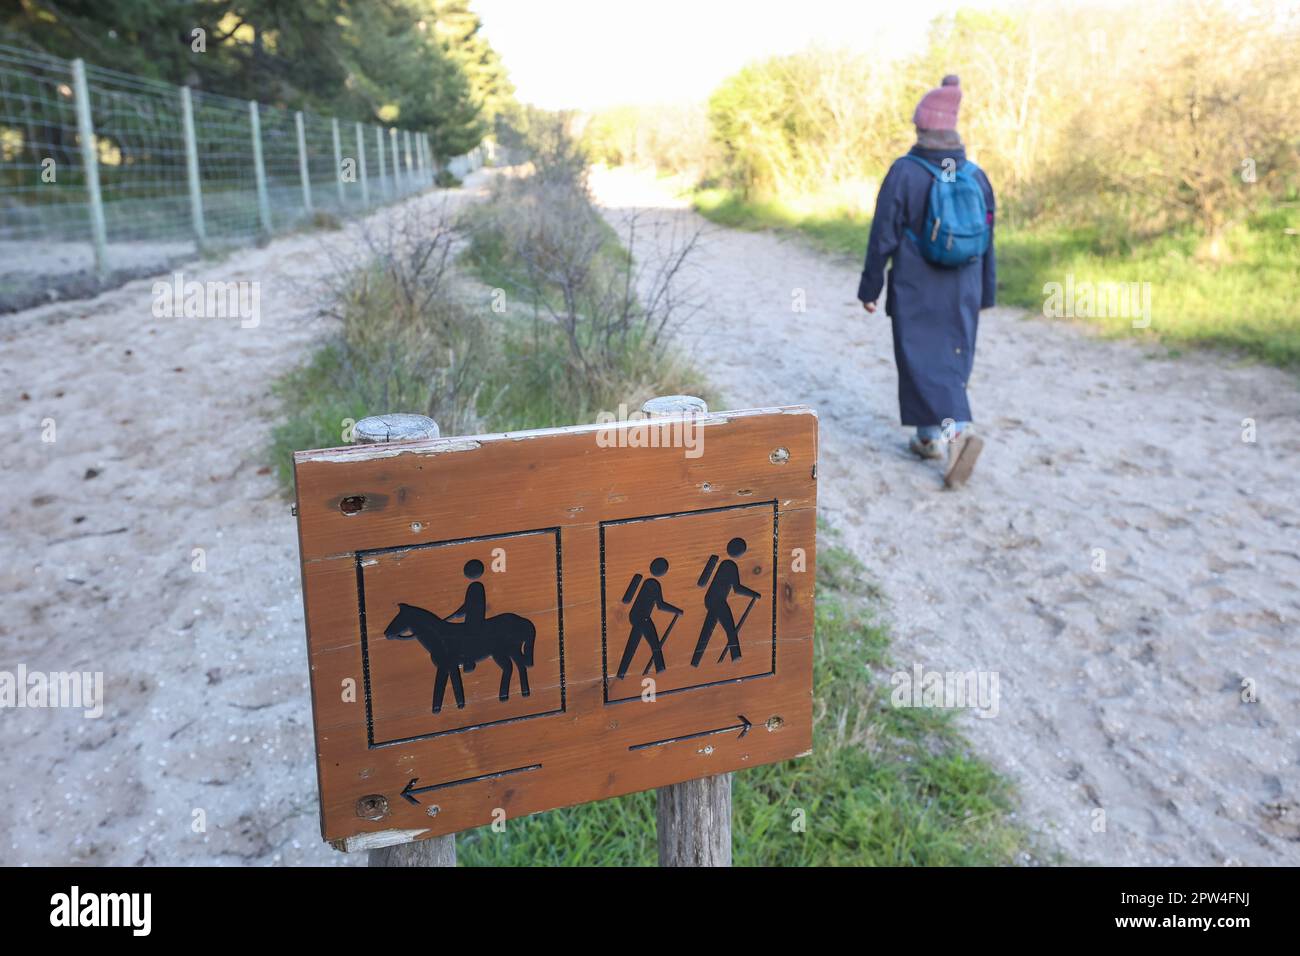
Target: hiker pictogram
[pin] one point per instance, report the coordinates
(506, 638)
(649, 598)
(725, 582)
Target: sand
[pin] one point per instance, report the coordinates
(204, 753)
(1120, 690)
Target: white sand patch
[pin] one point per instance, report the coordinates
(206, 700)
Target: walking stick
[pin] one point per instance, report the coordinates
(661, 643)
(752, 602)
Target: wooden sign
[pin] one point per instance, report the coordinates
(503, 624)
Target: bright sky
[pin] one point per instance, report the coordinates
(586, 54)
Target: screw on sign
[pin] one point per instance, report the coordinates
(545, 618)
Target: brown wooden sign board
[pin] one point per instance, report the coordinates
(503, 624)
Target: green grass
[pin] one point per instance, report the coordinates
(315, 401)
(884, 786)
(832, 226)
(1240, 300)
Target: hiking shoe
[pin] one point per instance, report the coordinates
(963, 451)
(925, 449)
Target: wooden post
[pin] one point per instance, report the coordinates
(693, 818)
(440, 850)
(338, 161)
(361, 167)
(396, 161)
(435, 851)
(303, 172)
(90, 166)
(383, 176)
(694, 822)
(259, 168)
(192, 167)
(396, 427)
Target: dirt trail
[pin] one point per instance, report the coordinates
(1119, 690)
(161, 426)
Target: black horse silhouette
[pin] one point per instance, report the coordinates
(506, 638)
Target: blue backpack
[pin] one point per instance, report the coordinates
(956, 218)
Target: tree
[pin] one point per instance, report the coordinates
(460, 31)
(371, 60)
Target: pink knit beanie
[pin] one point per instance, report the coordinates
(938, 108)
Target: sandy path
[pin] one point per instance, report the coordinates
(1120, 690)
(161, 426)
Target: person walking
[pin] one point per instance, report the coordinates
(725, 582)
(934, 222)
(648, 599)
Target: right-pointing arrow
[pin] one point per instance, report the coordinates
(743, 727)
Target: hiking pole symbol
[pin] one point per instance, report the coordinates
(663, 641)
(739, 626)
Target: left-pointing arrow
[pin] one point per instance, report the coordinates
(410, 790)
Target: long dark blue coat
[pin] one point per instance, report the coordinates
(934, 311)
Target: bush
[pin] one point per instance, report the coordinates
(403, 341)
(598, 323)
(583, 327)
(672, 139)
(1075, 118)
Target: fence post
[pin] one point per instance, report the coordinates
(361, 168)
(338, 159)
(302, 162)
(693, 818)
(397, 175)
(192, 166)
(419, 161)
(406, 149)
(90, 162)
(383, 176)
(259, 168)
(441, 850)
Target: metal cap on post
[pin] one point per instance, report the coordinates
(398, 427)
(693, 819)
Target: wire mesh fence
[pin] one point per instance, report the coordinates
(105, 176)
